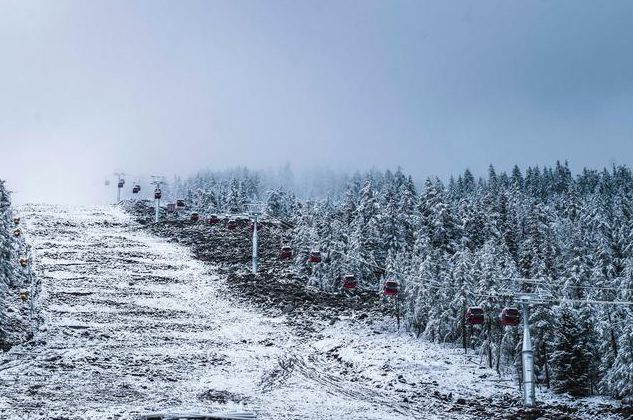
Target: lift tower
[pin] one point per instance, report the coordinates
(528, 292)
(157, 180)
(255, 211)
(120, 184)
(527, 354)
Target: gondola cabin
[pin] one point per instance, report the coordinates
(121, 183)
(349, 281)
(213, 219)
(510, 316)
(24, 295)
(158, 194)
(24, 262)
(17, 232)
(171, 207)
(136, 189)
(180, 203)
(475, 315)
(285, 253)
(314, 257)
(231, 224)
(16, 220)
(390, 288)
(194, 217)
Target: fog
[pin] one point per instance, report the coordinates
(166, 87)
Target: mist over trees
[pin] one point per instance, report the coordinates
(454, 245)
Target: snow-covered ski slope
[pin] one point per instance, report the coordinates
(134, 324)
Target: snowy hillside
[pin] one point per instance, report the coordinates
(473, 243)
(134, 323)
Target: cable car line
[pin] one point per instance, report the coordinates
(430, 284)
(534, 281)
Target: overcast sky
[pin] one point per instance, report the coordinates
(434, 86)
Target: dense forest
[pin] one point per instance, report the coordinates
(466, 243)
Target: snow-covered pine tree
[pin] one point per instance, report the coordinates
(6, 263)
(618, 369)
(571, 361)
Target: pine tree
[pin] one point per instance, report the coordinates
(618, 367)
(275, 204)
(8, 272)
(571, 359)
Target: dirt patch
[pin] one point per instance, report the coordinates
(276, 289)
(221, 397)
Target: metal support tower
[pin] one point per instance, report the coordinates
(255, 210)
(118, 189)
(527, 354)
(255, 244)
(157, 180)
(529, 395)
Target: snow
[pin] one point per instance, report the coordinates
(134, 324)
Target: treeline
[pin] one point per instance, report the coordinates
(14, 313)
(455, 245)
(234, 188)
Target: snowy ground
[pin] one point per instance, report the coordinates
(133, 323)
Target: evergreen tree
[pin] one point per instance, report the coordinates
(571, 360)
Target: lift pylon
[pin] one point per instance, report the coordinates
(120, 184)
(255, 210)
(157, 180)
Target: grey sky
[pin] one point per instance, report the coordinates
(433, 86)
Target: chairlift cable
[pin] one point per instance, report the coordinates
(510, 294)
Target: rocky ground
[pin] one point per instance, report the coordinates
(277, 288)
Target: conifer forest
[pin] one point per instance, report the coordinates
(462, 243)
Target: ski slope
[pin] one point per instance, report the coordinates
(133, 324)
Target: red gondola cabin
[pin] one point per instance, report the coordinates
(285, 253)
(194, 217)
(314, 257)
(391, 288)
(213, 219)
(475, 315)
(349, 281)
(180, 203)
(17, 232)
(16, 220)
(510, 316)
(231, 225)
(24, 262)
